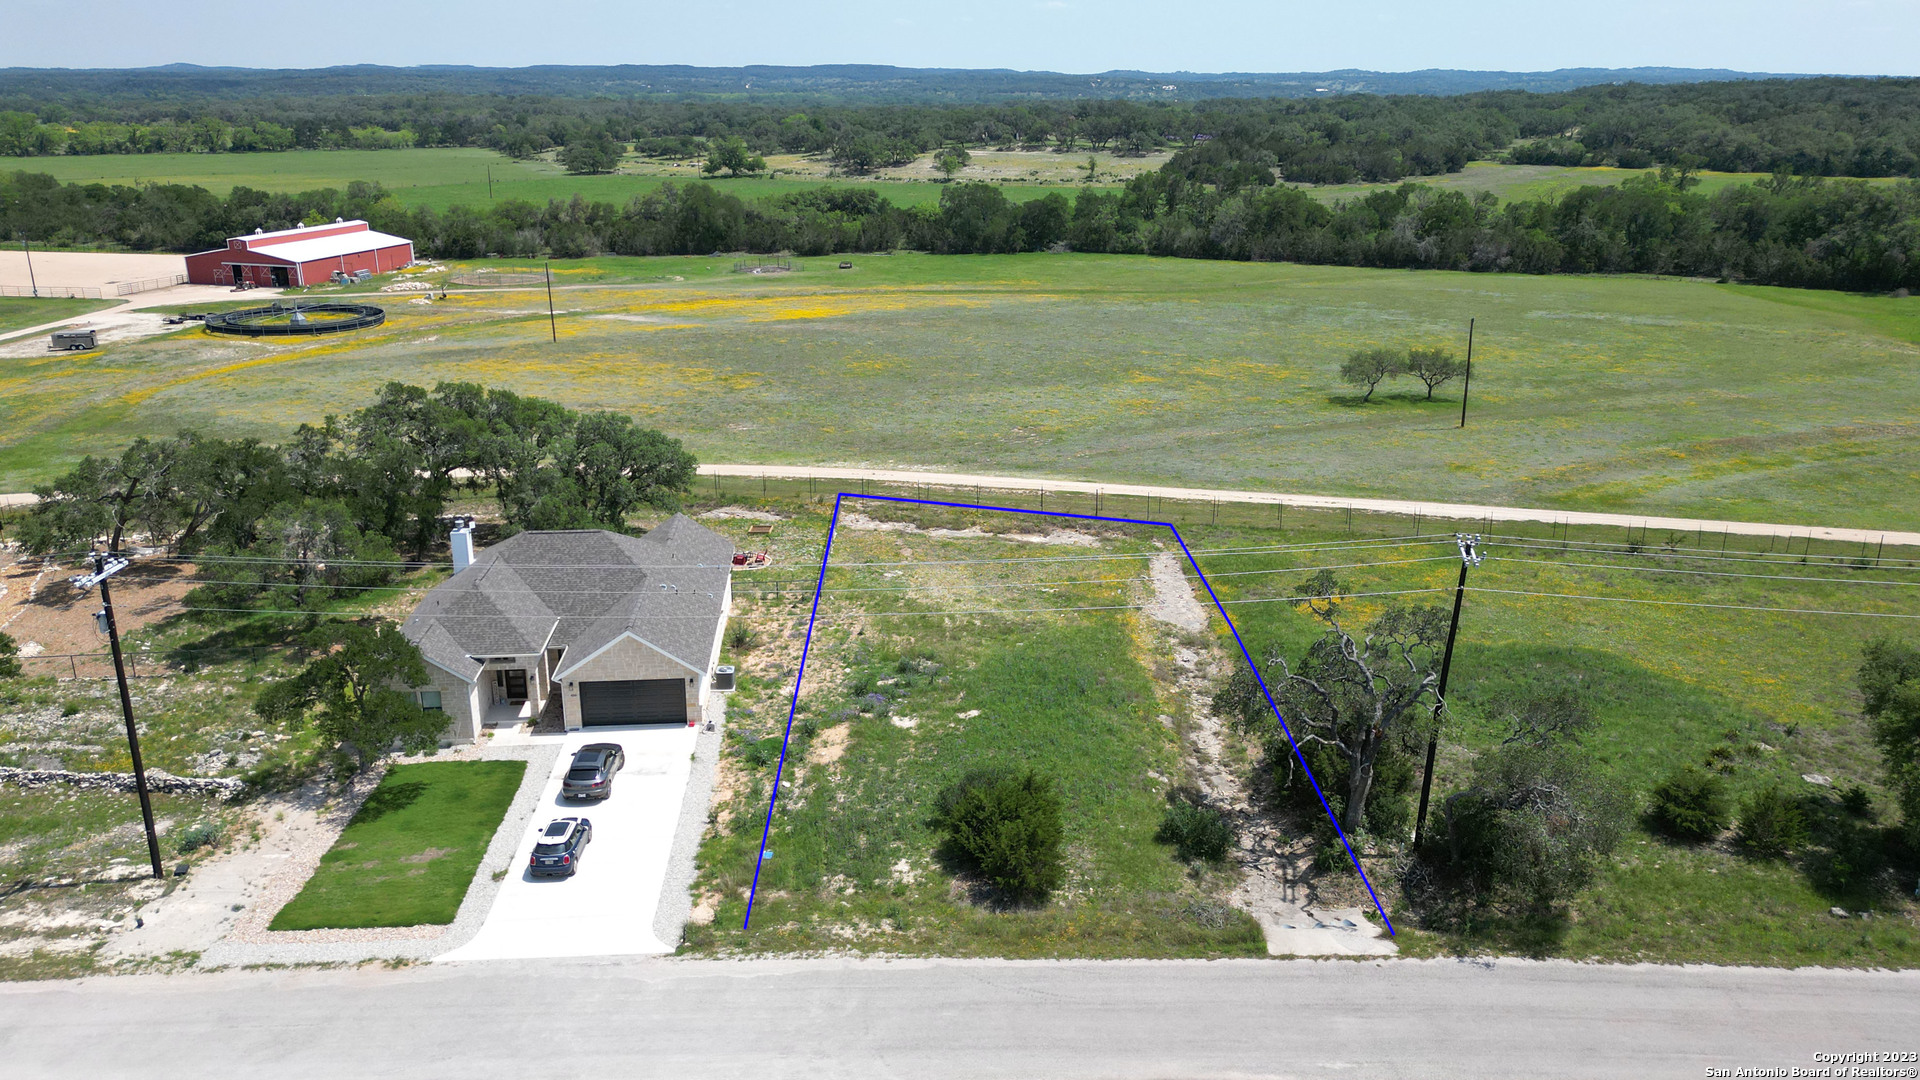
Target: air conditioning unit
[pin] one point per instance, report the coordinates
(723, 677)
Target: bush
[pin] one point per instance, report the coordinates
(740, 637)
(197, 836)
(1691, 804)
(1856, 801)
(1007, 826)
(1529, 831)
(1198, 833)
(1771, 824)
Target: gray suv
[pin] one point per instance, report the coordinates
(591, 774)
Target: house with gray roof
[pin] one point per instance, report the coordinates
(609, 629)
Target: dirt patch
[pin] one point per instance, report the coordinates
(727, 512)
(1173, 600)
(429, 855)
(48, 616)
(829, 745)
(1064, 537)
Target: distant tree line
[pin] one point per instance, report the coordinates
(1815, 127)
(338, 506)
(1796, 231)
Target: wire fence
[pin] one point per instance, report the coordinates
(54, 292)
(167, 281)
(1355, 522)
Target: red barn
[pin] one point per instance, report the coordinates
(308, 255)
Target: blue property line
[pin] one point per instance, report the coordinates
(1255, 668)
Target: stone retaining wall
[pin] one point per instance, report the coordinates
(157, 780)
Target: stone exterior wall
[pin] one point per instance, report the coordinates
(461, 701)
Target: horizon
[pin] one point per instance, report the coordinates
(1859, 37)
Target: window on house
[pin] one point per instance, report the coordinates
(429, 699)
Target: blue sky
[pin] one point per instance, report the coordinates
(1867, 37)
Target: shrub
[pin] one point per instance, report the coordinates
(197, 836)
(1691, 804)
(1198, 833)
(740, 637)
(873, 703)
(9, 665)
(1529, 830)
(1856, 801)
(1007, 826)
(1771, 824)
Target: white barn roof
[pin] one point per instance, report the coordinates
(327, 247)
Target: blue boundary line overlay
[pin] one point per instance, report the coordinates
(813, 616)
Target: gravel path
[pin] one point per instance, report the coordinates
(676, 893)
(1463, 512)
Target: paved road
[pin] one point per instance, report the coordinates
(934, 1019)
(1468, 512)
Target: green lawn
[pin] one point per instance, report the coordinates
(408, 856)
(18, 312)
(1590, 393)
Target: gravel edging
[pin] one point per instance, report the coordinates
(676, 892)
(411, 942)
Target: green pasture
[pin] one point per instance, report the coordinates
(408, 855)
(444, 177)
(854, 863)
(19, 312)
(1679, 666)
(1592, 393)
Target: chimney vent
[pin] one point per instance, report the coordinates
(461, 541)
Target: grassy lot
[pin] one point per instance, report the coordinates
(855, 863)
(1518, 183)
(18, 312)
(407, 857)
(442, 177)
(1760, 697)
(446, 176)
(1591, 393)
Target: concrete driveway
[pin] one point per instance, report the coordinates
(607, 909)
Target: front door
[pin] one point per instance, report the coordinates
(516, 686)
(238, 272)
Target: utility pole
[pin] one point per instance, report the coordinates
(105, 566)
(31, 280)
(1467, 384)
(1469, 557)
(552, 326)
(489, 183)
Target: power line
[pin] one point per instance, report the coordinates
(780, 586)
(1597, 547)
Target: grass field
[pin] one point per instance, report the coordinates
(1762, 697)
(1590, 393)
(407, 857)
(442, 177)
(18, 312)
(855, 863)
(445, 177)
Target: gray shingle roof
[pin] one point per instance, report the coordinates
(579, 589)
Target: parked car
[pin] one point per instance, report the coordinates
(591, 774)
(557, 853)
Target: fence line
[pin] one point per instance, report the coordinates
(128, 288)
(54, 292)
